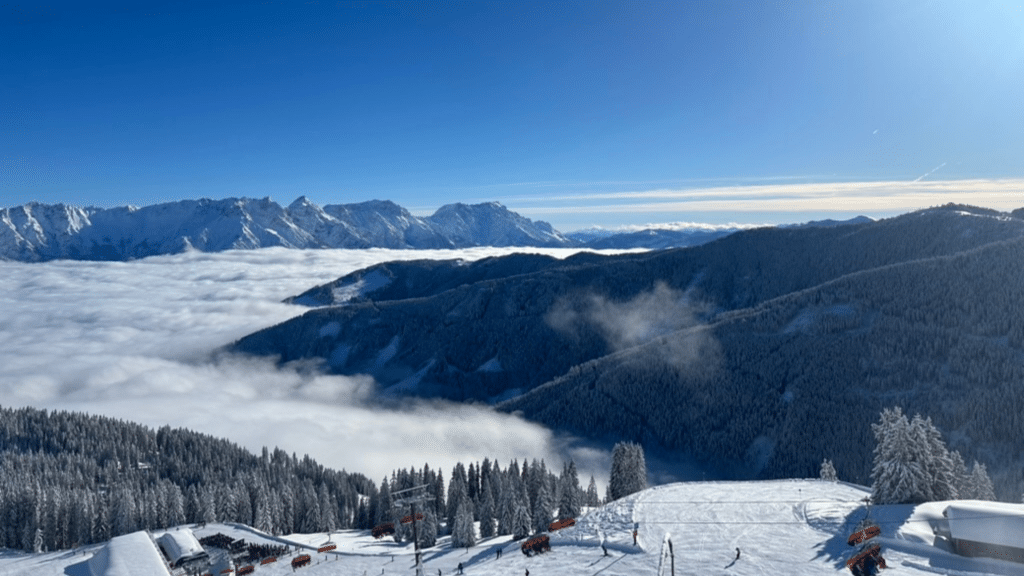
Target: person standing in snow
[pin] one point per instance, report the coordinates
(460, 567)
(634, 537)
(737, 553)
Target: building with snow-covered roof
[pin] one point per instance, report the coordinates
(128, 555)
(182, 549)
(983, 528)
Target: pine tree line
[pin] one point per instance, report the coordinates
(519, 500)
(71, 479)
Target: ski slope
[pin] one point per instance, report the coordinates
(790, 527)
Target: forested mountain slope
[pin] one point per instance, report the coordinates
(74, 479)
(498, 327)
(773, 389)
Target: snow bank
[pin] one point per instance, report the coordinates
(988, 522)
(126, 555)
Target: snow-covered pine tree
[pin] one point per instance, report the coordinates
(472, 482)
(243, 505)
(937, 463)
(463, 532)
(328, 509)
(439, 495)
(898, 474)
(457, 494)
(427, 528)
(979, 484)
(263, 512)
(542, 508)
(386, 503)
(487, 527)
(828, 471)
(961, 477)
(629, 470)
(208, 505)
(592, 499)
(101, 522)
(124, 516)
(506, 505)
(521, 524)
(571, 503)
(287, 510)
(175, 505)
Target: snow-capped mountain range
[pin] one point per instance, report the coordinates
(37, 232)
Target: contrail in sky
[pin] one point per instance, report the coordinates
(929, 173)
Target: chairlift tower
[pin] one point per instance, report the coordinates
(412, 497)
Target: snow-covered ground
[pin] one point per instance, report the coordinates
(790, 527)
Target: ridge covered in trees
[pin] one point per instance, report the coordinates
(755, 355)
(70, 479)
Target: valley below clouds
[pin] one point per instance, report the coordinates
(141, 341)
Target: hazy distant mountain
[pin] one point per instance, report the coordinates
(762, 352)
(36, 232)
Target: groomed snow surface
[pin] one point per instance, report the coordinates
(784, 527)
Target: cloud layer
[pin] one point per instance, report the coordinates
(809, 201)
(136, 341)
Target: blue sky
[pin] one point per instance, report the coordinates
(577, 113)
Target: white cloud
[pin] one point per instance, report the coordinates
(134, 340)
(858, 197)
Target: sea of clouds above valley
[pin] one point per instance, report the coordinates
(138, 340)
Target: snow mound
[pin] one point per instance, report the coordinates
(126, 555)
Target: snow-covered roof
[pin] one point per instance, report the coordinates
(179, 544)
(990, 522)
(128, 555)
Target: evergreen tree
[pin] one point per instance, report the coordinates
(899, 474)
(938, 463)
(629, 470)
(521, 523)
(264, 521)
(457, 494)
(384, 512)
(570, 504)
(828, 471)
(506, 506)
(961, 478)
(463, 532)
(124, 517)
(979, 484)
(101, 526)
(287, 510)
(592, 499)
(243, 505)
(312, 518)
(328, 509)
(193, 506)
(542, 509)
(427, 528)
(487, 527)
(473, 482)
(208, 510)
